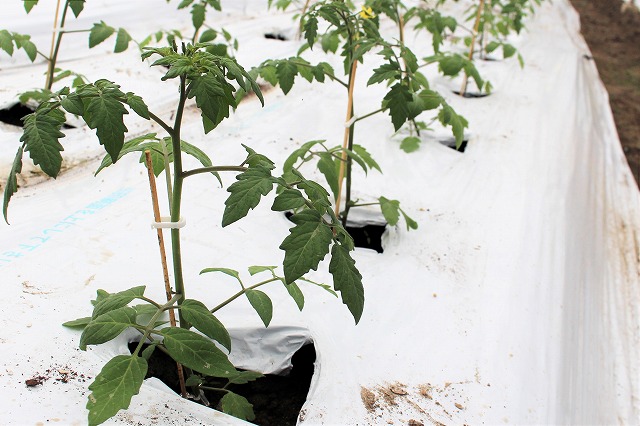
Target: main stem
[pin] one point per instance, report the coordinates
(178, 178)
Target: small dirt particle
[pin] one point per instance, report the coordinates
(35, 381)
(368, 399)
(413, 422)
(459, 406)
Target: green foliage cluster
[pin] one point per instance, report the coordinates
(204, 70)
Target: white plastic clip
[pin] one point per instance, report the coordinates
(351, 121)
(165, 222)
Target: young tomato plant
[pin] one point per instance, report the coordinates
(211, 81)
(97, 34)
(354, 34)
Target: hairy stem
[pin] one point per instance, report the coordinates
(214, 169)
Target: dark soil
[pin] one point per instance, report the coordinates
(368, 236)
(613, 35)
(277, 400)
(14, 114)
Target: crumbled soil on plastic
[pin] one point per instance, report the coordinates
(277, 400)
(59, 374)
(612, 31)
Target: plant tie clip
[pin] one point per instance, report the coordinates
(165, 222)
(352, 120)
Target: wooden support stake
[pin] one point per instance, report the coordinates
(163, 257)
(345, 143)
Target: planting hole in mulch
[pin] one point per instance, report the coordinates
(276, 36)
(451, 143)
(471, 95)
(368, 236)
(16, 113)
(277, 400)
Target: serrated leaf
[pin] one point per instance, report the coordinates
(311, 30)
(231, 272)
(411, 224)
(386, 72)
(213, 97)
(347, 280)
(196, 352)
(185, 3)
(113, 301)
(145, 309)
(194, 380)
(197, 314)
(262, 305)
(99, 33)
(107, 326)
(11, 186)
(111, 391)
(286, 72)
(237, 406)
(77, 323)
(41, 134)
(299, 153)
(306, 245)
(390, 210)
(451, 65)
(288, 199)
(246, 192)
(296, 294)
(396, 101)
(105, 114)
(122, 40)
(76, 7)
(448, 116)
(137, 105)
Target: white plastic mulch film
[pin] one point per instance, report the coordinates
(515, 302)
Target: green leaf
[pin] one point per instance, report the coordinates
(347, 280)
(386, 72)
(12, 182)
(491, 46)
(246, 193)
(185, 3)
(76, 7)
(105, 113)
(299, 153)
(99, 33)
(296, 294)
(28, 4)
(396, 101)
(111, 391)
(194, 380)
(137, 105)
(262, 304)
(24, 42)
(311, 30)
(328, 167)
(410, 144)
(257, 269)
(448, 116)
(213, 97)
(77, 323)
(208, 35)
(366, 157)
(508, 51)
(411, 224)
(237, 406)
(122, 40)
(134, 145)
(117, 300)
(41, 134)
(107, 326)
(306, 245)
(231, 272)
(451, 65)
(6, 41)
(286, 72)
(197, 314)
(244, 377)
(198, 13)
(390, 210)
(289, 199)
(196, 352)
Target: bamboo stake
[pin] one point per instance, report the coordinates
(476, 26)
(54, 32)
(163, 257)
(347, 129)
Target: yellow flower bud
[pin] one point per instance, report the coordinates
(367, 13)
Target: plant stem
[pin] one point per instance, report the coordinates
(55, 43)
(368, 115)
(331, 76)
(241, 292)
(163, 259)
(476, 26)
(154, 318)
(214, 169)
